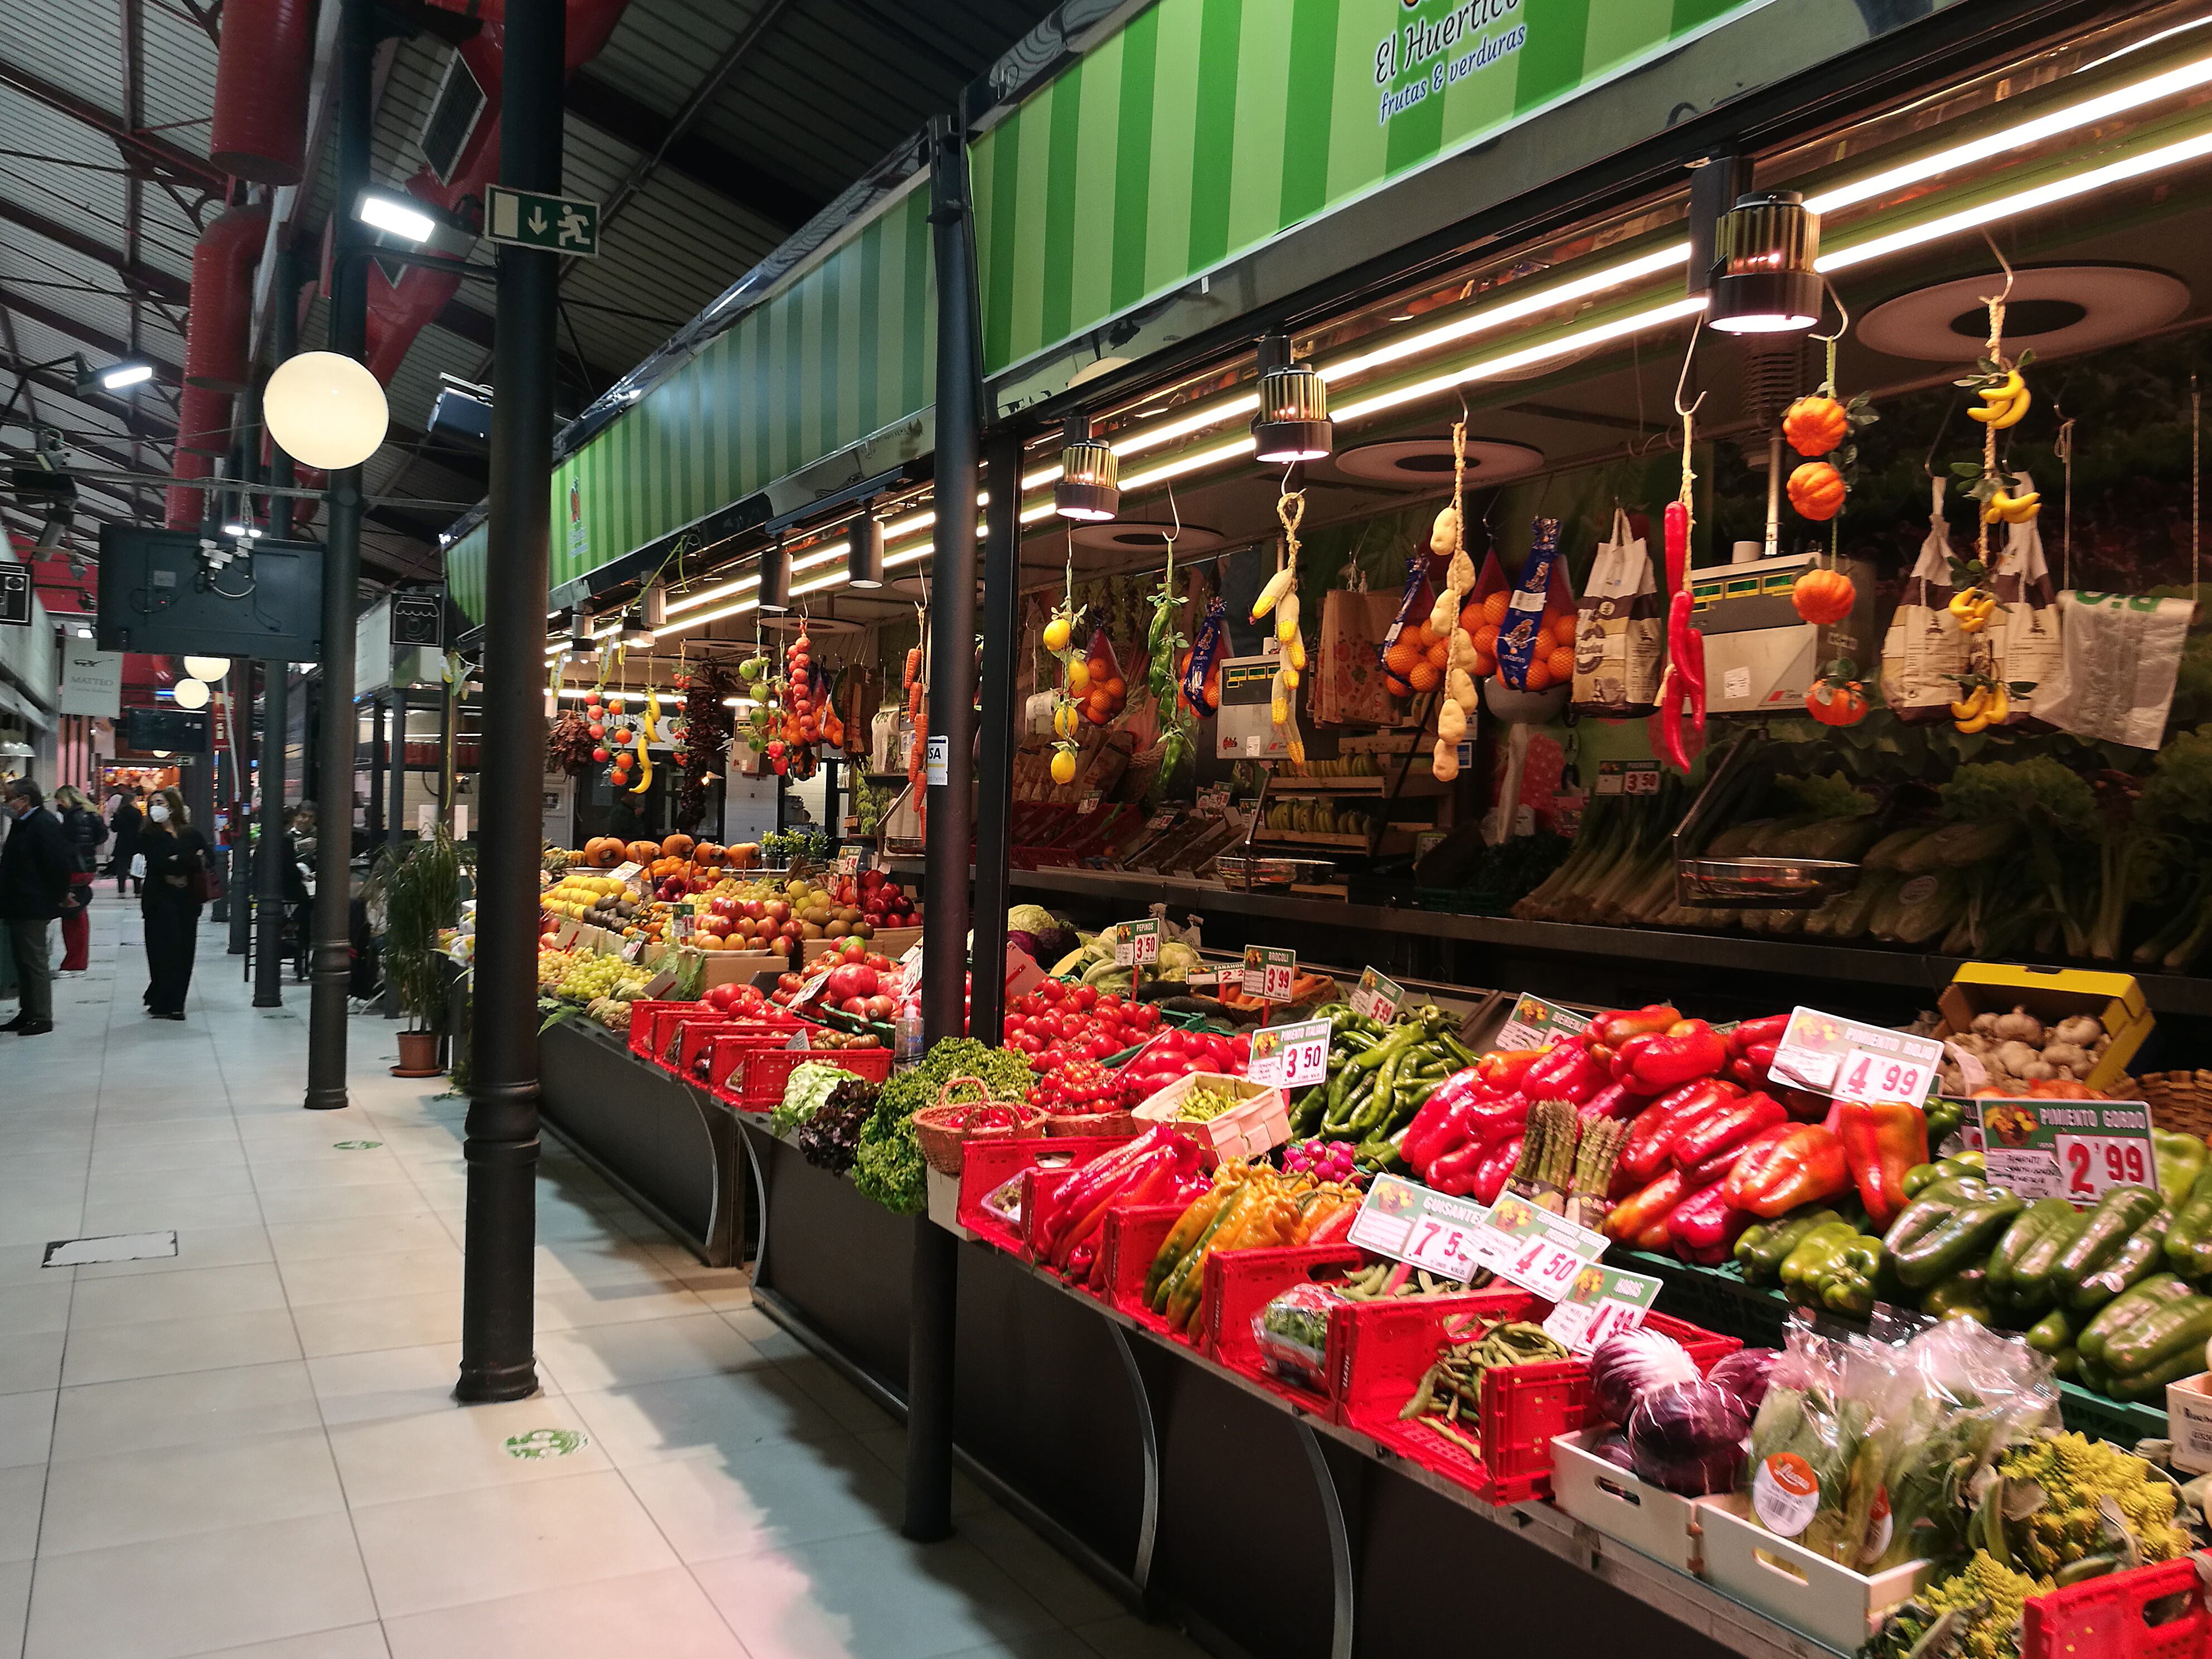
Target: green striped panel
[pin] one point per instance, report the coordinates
(1206, 128)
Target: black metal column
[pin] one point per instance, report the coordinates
(349, 330)
(241, 880)
(275, 700)
(995, 753)
(498, 1360)
(395, 774)
(951, 795)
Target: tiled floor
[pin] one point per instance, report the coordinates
(251, 1449)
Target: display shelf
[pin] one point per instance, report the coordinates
(1308, 838)
(1354, 786)
(2167, 993)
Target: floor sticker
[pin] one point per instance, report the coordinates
(547, 1443)
(115, 1247)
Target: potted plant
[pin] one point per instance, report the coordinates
(419, 894)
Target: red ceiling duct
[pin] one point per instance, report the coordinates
(218, 342)
(203, 434)
(261, 78)
(399, 310)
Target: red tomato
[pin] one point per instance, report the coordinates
(1084, 996)
(1053, 990)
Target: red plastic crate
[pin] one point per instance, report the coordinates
(1133, 1236)
(2108, 1617)
(766, 1071)
(647, 1038)
(987, 1165)
(1240, 1284)
(1523, 1407)
(692, 1036)
(728, 1047)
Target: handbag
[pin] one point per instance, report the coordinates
(206, 884)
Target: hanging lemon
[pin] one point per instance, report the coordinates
(1063, 766)
(1078, 679)
(1056, 633)
(1063, 721)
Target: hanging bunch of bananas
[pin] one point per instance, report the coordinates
(2003, 508)
(1983, 702)
(1973, 607)
(1066, 709)
(2004, 396)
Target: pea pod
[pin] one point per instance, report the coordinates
(2117, 1215)
(1762, 1249)
(2029, 1228)
(2123, 1312)
(2189, 1239)
(2135, 1261)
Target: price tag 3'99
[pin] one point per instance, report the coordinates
(1289, 1056)
(1269, 973)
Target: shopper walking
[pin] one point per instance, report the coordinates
(176, 869)
(36, 864)
(86, 833)
(127, 822)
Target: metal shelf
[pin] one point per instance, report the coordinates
(1361, 784)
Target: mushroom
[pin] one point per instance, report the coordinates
(2021, 1025)
(2079, 1029)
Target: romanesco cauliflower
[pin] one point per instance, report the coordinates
(2074, 1473)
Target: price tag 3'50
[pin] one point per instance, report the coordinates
(1289, 1056)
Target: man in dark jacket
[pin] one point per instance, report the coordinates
(36, 863)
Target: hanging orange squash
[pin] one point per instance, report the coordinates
(1837, 703)
(1816, 490)
(1815, 425)
(1824, 596)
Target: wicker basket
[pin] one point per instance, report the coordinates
(2178, 1100)
(1109, 1126)
(940, 1133)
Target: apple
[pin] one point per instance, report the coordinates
(778, 911)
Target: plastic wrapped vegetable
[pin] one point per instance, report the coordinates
(1631, 1363)
(1688, 1438)
(1291, 1333)
(1820, 1446)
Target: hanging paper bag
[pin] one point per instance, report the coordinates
(1535, 642)
(1618, 630)
(1348, 674)
(2120, 658)
(2026, 629)
(1924, 652)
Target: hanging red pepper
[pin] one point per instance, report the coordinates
(1648, 1149)
(1667, 722)
(1634, 1219)
(1717, 1137)
(1881, 1140)
(1652, 1062)
(1705, 1226)
(1788, 1165)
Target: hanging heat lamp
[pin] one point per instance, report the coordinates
(863, 553)
(1090, 484)
(775, 578)
(1763, 280)
(1291, 423)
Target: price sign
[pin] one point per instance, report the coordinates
(1600, 1301)
(1269, 973)
(2076, 1150)
(1163, 819)
(1424, 1228)
(682, 922)
(1541, 1252)
(633, 948)
(1536, 1023)
(1627, 777)
(852, 860)
(1136, 944)
(1850, 1062)
(798, 1039)
(1209, 979)
(812, 989)
(1215, 801)
(1289, 1056)
(1376, 997)
(910, 970)
(1089, 804)
(625, 872)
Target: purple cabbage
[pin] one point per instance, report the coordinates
(1628, 1364)
(1744, 1374)
(1613, 1447)
(1688, 1438)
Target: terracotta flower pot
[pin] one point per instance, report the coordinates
(418, 1055)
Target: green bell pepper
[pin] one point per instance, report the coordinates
(2143, 1253)
(1845, 1281)
(1810, 1257)
(2181, 1159)
(1764, 1247)
(1944, 1117)
(2114, 1216)
(2030, 1235)
(1950, 1225)
(2120, 1315)
(1962, 1295)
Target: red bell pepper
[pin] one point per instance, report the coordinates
(1160, 1167)
(1788, 1165)
(1654, 1062)
(1453, 1170)
(1881, 1140)
(1612, 1101)
(1443, 1120)
(1750, 1066)
(1496, 1167)
(1076, 1193)
(1769, 1028)
(1567, 1072)
(1502, 1069)
(1611, 1028)
(1803, 1105)
(1725, 1130)
(1633, 1219)
(1705, 1226)
(1649, 1148)
(1332, 1227)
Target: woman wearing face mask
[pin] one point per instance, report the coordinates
(176, 856)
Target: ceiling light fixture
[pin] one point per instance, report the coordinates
(210, 669)
(387, 210)
(775, 578)
(325, 410)
(190, 694)
(1291, 423)
(122, 375)
(864, 561)
(1089, 488)
(1765, 277)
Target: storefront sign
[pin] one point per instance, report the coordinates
(1136, 944)
(91, 682)
(1289, 1056)
(1536, 1023)
(1376, 997)
(1600, 1301)
(2070, 1149)
(1850, 1062)
(1431, 1230)
(1541, 1252)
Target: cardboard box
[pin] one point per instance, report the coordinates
(2051, 994)
(892, 942)
(2189, 1422)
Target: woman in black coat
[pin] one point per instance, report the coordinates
(126, 823)
(176, 855)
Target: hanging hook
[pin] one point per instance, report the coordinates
(1843, 314)
(1682, 381)
(2007, 267)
